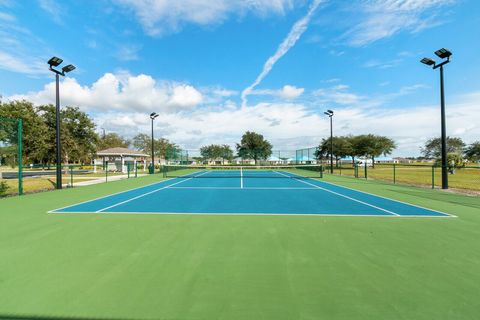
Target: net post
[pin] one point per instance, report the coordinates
(20, 159)
(71, 176)
(394, 173)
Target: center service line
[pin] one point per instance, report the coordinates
(241, 178)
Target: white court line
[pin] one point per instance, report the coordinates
(109, 195)
(399, 201)
(266, 214)
(246, 188)
(339, 194)
(241, 178)
(146, 194)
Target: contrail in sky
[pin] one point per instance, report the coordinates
(295, 33)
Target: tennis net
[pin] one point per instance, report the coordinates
(193, 171)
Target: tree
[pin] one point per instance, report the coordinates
(211, 152)
(35, 132)
(254, 146)
(472, 152)
(216, 151)
(77, 133)
(373, 146)
(142, 142)
(162, 147)
(83, 138)
(342, 147)
(433, 147)
(227, 153)
(113, 140)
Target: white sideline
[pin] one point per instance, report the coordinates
(146, 194)
(339, 194)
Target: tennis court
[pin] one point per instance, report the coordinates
(248, 191)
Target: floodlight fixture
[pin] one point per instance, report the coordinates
(54, 62)
(428, 61)
(68, 68)
(329, 113)
(443, 53)
(153, 115)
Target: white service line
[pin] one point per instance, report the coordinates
(339, 194)
(241, 178)
(146, 194)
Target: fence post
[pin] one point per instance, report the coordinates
(321, 171)
(366, 169)
(433, 177)
(136, 169)
(20, 160)
(394, 174)
(128, 170)
(71, 176)
(106, 171)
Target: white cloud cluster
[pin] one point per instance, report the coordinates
(120, 92)
(163, 16)
(384, 18)
(121, 103)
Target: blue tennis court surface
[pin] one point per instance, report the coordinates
(243, 192)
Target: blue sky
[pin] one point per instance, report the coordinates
(192, 61)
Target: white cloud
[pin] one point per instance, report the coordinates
(295, 33)
(164, 16)
(121, 92)
(54, 9)
(288, 92)
(291, 92)
(338, 94)
(7, 17)
(21, 64)
(384, 18)
(128, 52)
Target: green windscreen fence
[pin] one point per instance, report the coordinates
(176, 156)
(306, 155)
(10, 156)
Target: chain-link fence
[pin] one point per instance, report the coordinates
(426, 175)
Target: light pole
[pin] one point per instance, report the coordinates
(153, 115)
(55, 62)
(329, 113)
(442, 54)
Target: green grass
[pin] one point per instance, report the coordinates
(239, 267)
(421, 175)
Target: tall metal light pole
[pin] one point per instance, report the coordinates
(442, 54)
(55, 62)
(329, 113)
(153, 115)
